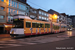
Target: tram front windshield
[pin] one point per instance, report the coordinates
(18, 23)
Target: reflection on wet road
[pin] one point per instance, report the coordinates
(69, 33)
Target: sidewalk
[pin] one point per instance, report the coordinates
(4, 35)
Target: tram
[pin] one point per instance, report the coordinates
(25, 26)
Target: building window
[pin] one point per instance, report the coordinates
(26, 8)
(12, 3)
(39, 17)
(1, 17)
(42, 13)
(12, 11)
(27, 14)
(20, 12)
(22, 7)
(32, 16)
(2, 8)
(43, 18)
(39, 12)
(47, 18)
(10, 18)
(47, 15)
(2, 0)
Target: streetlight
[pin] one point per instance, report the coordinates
(54, 16)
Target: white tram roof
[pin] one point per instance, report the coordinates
(21, 16)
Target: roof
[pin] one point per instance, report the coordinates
(42, 10)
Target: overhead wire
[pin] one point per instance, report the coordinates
(37, 5)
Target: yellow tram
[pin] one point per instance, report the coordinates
(25, 26)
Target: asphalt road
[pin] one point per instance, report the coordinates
(62, 41)
(68, 44)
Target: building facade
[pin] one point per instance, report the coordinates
(73, 20)
(8, 8)
(63, 18)
(11, 7)
(42, 15)
(52, 12)
(33, 13)
(69, 21)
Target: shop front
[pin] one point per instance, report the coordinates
(5, 28)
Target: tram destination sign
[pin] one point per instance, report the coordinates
(15, 19)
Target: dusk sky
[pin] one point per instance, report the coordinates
(61, 6)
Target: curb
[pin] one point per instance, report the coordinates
(4, 35)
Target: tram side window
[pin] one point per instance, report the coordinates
(54, 27)
(42, 25)
(28, 24)
(38, 25)
(47, 25)
(34, 25)
(57, 27)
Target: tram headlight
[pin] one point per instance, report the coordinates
(12, 32)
